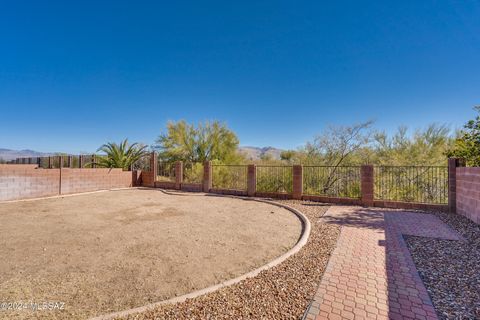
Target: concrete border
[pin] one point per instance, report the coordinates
(306, 228)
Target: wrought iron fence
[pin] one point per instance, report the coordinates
(411, 184)
(142, 164)
(274, 179)
(342, 182)
(233, 177)
(165, 171)
(192, 172)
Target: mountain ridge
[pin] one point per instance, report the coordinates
(250, 152)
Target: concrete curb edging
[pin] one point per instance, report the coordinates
(306, 228)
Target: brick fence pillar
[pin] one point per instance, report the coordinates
(251, 180)
(178, 174)
(453, 163)
(366, 184)
(153, 167)
(207, 176)
(297, 172)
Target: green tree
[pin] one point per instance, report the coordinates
(209, 141)
(120, 155)
(288, 156)
(338, 146)
(467, 144)
(425, 147)
(335, 147)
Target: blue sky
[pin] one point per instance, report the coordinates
(75, 74)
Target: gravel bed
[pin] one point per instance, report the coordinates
(450, 270)
(282, 292)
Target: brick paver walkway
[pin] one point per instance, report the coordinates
(371, 274)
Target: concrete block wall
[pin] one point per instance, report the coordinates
(83, 180)
(468, 193)
(27, 181)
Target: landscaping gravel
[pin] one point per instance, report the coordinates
(451, 269)
(282, 292)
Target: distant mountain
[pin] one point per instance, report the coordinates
(256, 153)
(252, 153)
(7, 154)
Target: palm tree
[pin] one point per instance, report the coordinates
(120, 155)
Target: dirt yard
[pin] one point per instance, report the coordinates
(103, 252)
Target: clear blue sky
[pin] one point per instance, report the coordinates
(75, 74)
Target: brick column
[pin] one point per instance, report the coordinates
(366, 184)
(207, 176)
(297, 171)
(153, 167)
(251, 180)
(178, 174)
(453, 163)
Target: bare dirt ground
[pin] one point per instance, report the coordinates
(281, 292)
(109, 251)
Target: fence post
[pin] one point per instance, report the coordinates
(80, 161)
(153, 167)
(251, 180)
(93, 161)
(207, 176)
(49, 162)
(297, 172)
(60, 162)
(70, 162)
(178, 174)
(453, 163)
(367, 185)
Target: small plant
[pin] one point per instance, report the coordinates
(120, 155)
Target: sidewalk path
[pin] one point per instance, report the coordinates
(371, 274)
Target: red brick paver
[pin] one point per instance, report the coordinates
(371, 274)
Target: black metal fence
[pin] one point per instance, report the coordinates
(421, 184)
(233, 177)
(274, 179)
(65, 161)
(424, 184)
(192, 172)
(342, 182)
(165, 171)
